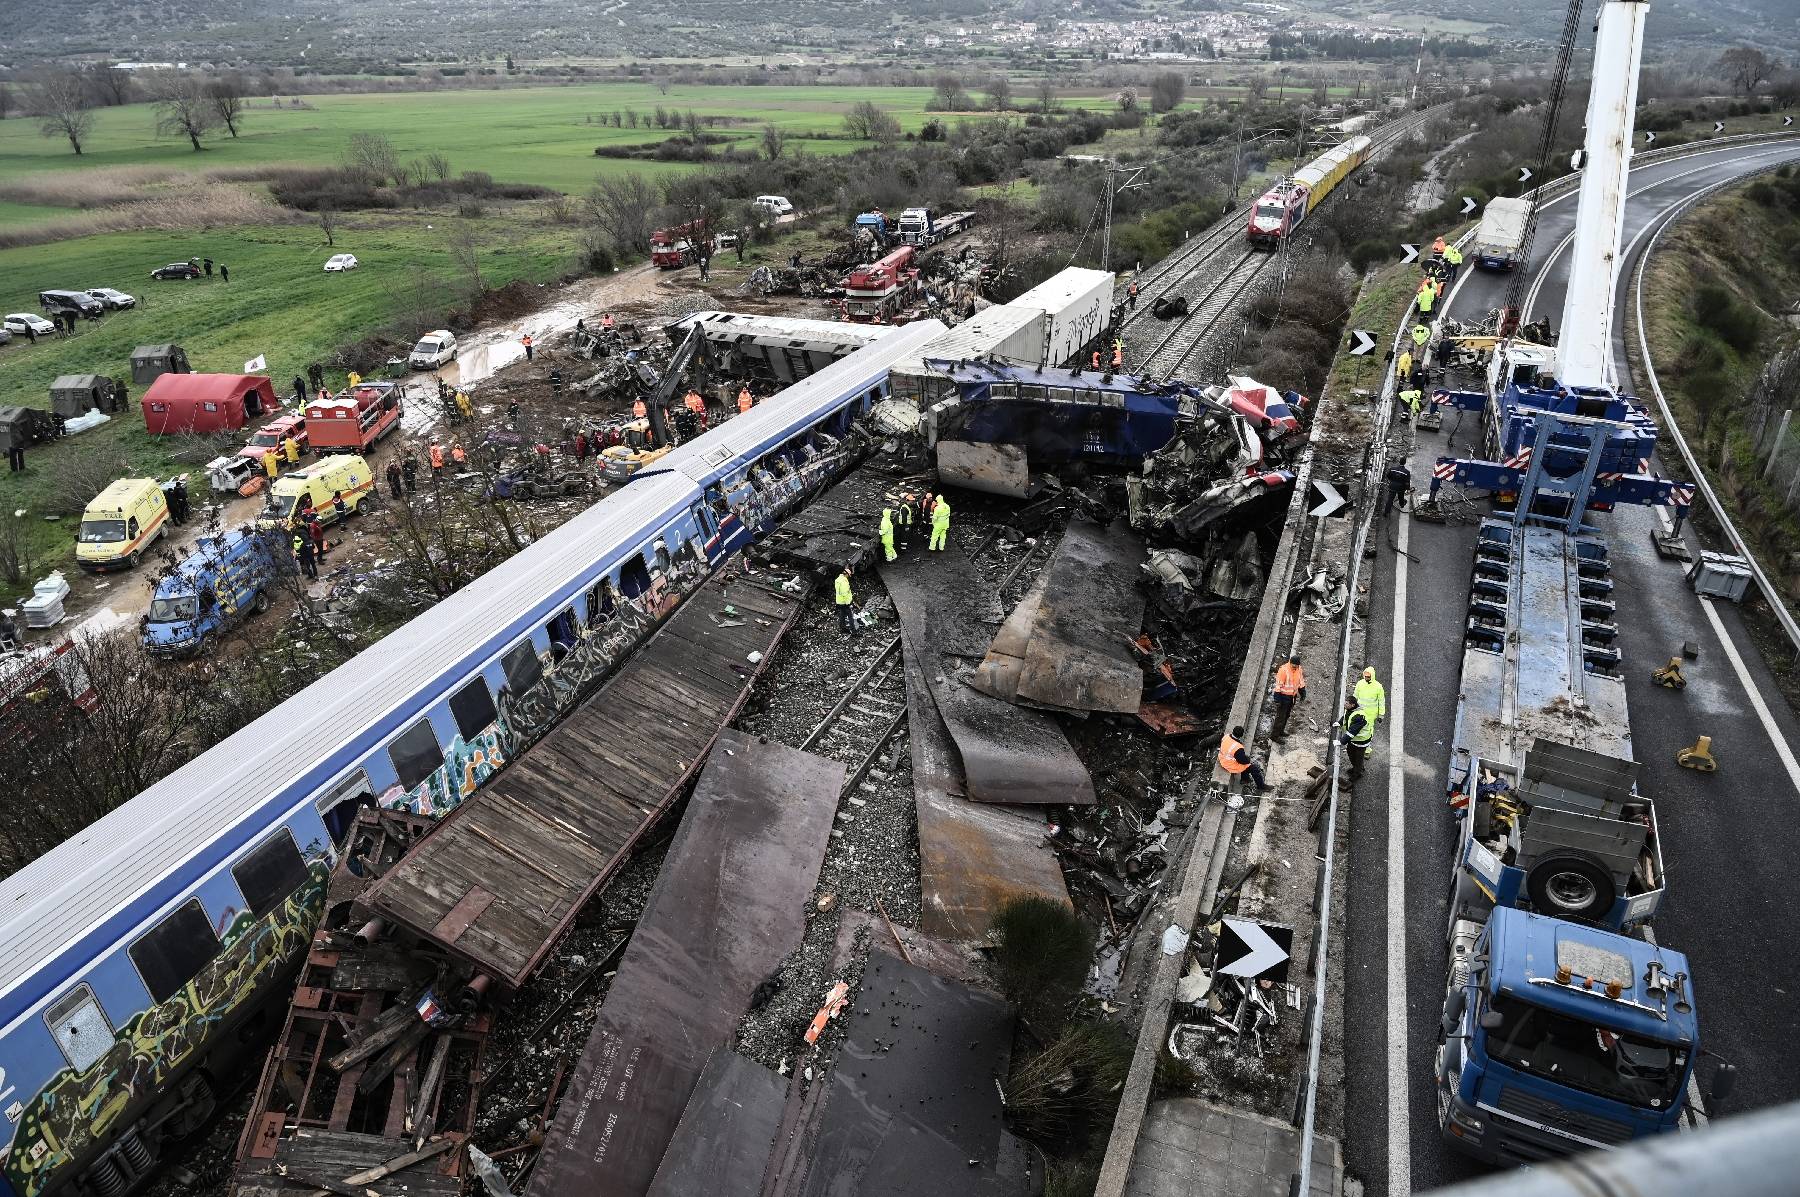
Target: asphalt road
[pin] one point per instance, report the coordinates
(1724, 835)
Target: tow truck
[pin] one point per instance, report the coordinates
(1566, 1027)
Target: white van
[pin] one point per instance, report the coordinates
(433, 350)
(777, 206)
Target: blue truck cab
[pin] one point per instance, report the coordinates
(1560, 1038)
(224, 580)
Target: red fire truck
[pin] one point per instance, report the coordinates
(876, 294)
(675, 247)
(355, 418)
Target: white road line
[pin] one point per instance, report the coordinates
(1399, 1063)
(1770, 727)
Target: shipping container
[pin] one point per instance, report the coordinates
(1012, 332)
(1077, 304)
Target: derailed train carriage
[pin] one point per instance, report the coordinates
(143, 962)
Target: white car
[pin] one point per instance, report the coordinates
(433, 350)
(775, 205)
(118, 301)
(22, 323)
(340, 262)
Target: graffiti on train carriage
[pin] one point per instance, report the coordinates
(75, 1109)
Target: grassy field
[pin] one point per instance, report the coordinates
(279, 303)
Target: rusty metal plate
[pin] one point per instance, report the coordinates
(469, 908)
(722, 1144)
(998, 469)
(1009, 754)
(972, 858)
(1079, 656)
(729, 903)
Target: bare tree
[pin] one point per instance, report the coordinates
(184, 109)
(772, 139)
(622, 208)
(227, 96)
(1128, 99)
(6, 101)
(61, 101)
(1167, 90)
(1046, 93)
(465, 245)
(328, 223)
(373, 155)
(999, 93)
(868, 121)
(438, 165)
(948, 95)
(112, 86)
(1746, 68)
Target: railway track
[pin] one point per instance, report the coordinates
(1221, 298)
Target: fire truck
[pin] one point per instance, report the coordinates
(875, 294)
(676, 246)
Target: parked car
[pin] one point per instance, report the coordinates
(433, 350)
(340, 262)
(176, 270)
(118, 301)
(274, 434)
(79, 303)
(23, 322)
(5, 336)
(775, 205)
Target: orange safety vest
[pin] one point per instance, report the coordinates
(1118, 356)
(606, 321)
(457, 455)
(743, 402)
(638, 410)
(1228, 749)
(1289, 679)
(1096, 359)
(525, 340)
(437, 457)
(695, 403)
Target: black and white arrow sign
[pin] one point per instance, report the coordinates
(1330, 499)
(1254, 951)
(1411, 252)
(1365, 342)
(1649, 137)
(1786, 121)
(1468, 205)
(1718, 126)
(1524, 174)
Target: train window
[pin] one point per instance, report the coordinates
(272, 872)
(80, 1027)
(339, 804)
(523, 669)
(634, 576)
(416, 754)
(173, 952)
(603, 600)
(702, 519)
(473, 708)
(561, 630)
(662, 557)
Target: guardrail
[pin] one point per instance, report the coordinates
(1769, 590)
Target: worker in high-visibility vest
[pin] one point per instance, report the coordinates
(1438, 247)
(291, 448)
(903, 518)
(1118, 356)
(1358, 730)
(1290, 688)
(744, 400)
(1371, 697)
(463, 406)
(886, 531)
(354, 378)
(1421, 333)
(1403, 367)
(271, 465)
(940, 525)
(1453, 258)
(437, 458)
(1413, 399)
(1235, 758)
(846, 603)
(1426, 299)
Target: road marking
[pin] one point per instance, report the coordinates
(1770, 727)
(1399, 1070)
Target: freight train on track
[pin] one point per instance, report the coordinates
(1282, 207)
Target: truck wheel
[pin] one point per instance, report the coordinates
(1570, 887)
(136, 556)
(260, 603)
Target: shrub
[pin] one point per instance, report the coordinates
(1733, 321)
(1041, 957)
(1077, 1077)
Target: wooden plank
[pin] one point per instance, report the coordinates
(463, 913)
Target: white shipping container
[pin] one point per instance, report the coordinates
(1011, 332)
(1077, 304)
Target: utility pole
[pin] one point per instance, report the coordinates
(1131, 174)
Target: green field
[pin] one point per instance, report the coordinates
(279, 303)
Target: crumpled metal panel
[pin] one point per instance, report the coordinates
(994, 469)
(728, 905)
(1079, 656)
(722, 1145)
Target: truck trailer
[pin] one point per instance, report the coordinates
(1501, 234)
(923, 226)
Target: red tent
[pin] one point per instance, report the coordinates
(205, 402)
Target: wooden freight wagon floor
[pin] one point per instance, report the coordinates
(498, 880)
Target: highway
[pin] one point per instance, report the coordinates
(1724, 835)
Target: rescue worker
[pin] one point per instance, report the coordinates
(315, 532)
(270, 465)
(903, 519)
(1234, 758)
(638, 410)
(290, 448)
(526, 341)
(1412, 398)
(606, 322)
(393, 477)
(457, 457)
(1399, 480)
(694, 403)
(315, 375)
(846, 603)
(940, 524)
(1453, 258)
(409, 471)
(1118, 355)
(178, 500)
(299, 391)
(340, 510)
(1437, 248)
(1421, 333)
(1427, 298)
(1131, 293)
(1371, 697)
(1290, 687)
(1358, 731)
(303, 553)
(1403, 367)
(744, 400)
(886, 531)
(556, 381)
(1096, 357)
(436, 453)
(355, 378)
(463, 406)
